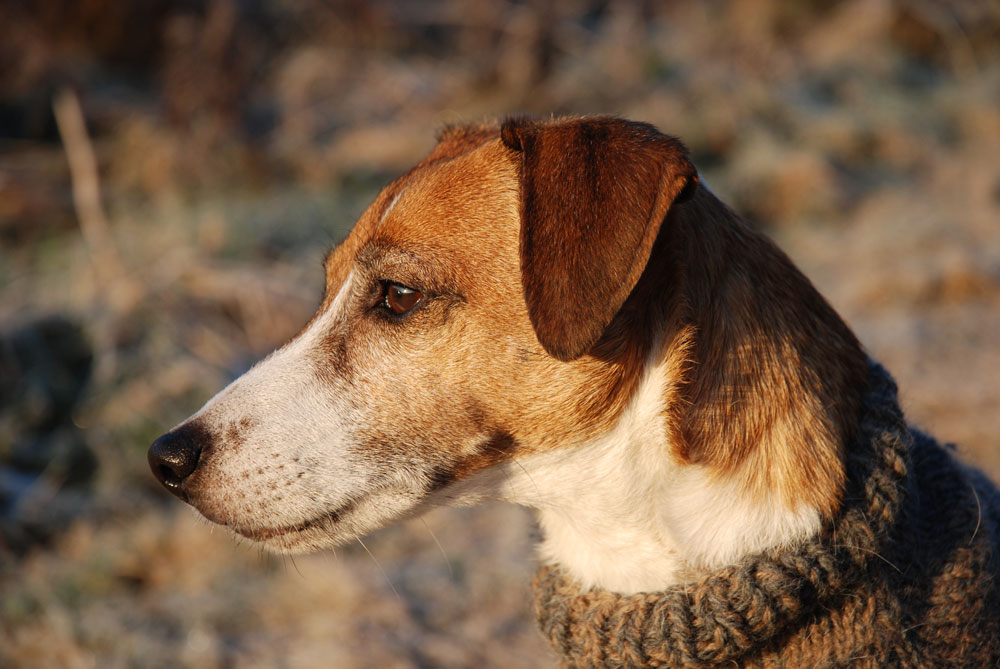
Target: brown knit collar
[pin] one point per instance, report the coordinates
(736, 610)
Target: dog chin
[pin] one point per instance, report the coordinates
(293, 541)
(325, 529)
(322, 531)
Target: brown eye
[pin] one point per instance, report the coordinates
(400, 299)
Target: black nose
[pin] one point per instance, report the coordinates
(174, 456)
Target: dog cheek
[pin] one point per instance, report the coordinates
(409, 427)
(331, 361)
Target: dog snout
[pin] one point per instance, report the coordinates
(174, 456)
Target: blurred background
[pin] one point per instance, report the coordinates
(172, 173)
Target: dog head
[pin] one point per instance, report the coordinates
(480, 309)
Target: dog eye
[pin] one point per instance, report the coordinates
(400, 299)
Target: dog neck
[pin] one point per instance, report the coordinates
(732, 441)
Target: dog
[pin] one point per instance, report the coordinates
(559, 314)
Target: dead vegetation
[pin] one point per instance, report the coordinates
(231, 143)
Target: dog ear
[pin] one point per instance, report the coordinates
(594, 193)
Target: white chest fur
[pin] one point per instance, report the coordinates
(620, 512)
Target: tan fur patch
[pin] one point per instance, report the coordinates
(760, 375)
(555, 260)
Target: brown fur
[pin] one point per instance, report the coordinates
(765, 362)
(768, 362)
(593, 195)
(554, 259)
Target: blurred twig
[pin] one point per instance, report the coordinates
(94, 225)
(86, 186)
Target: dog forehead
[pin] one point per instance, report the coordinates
(462, 209)
(469, 200)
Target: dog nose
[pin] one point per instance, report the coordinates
(174, 456)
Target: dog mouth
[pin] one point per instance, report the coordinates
(342, 523)
(320, 522)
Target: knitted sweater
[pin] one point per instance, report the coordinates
(904, 576)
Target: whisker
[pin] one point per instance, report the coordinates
(979, 510)
(294, 565)
(384, 574)
(875, 553)
(509, 456)
(451, 569)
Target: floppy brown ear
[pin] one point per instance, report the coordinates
(594, 193)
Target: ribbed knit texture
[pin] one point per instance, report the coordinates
(905, 576)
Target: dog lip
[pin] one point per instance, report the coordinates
(329, 517)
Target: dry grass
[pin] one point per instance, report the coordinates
(233, 146)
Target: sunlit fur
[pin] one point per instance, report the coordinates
(704, 421)
(619, 513)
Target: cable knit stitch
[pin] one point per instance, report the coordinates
(903, 577)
